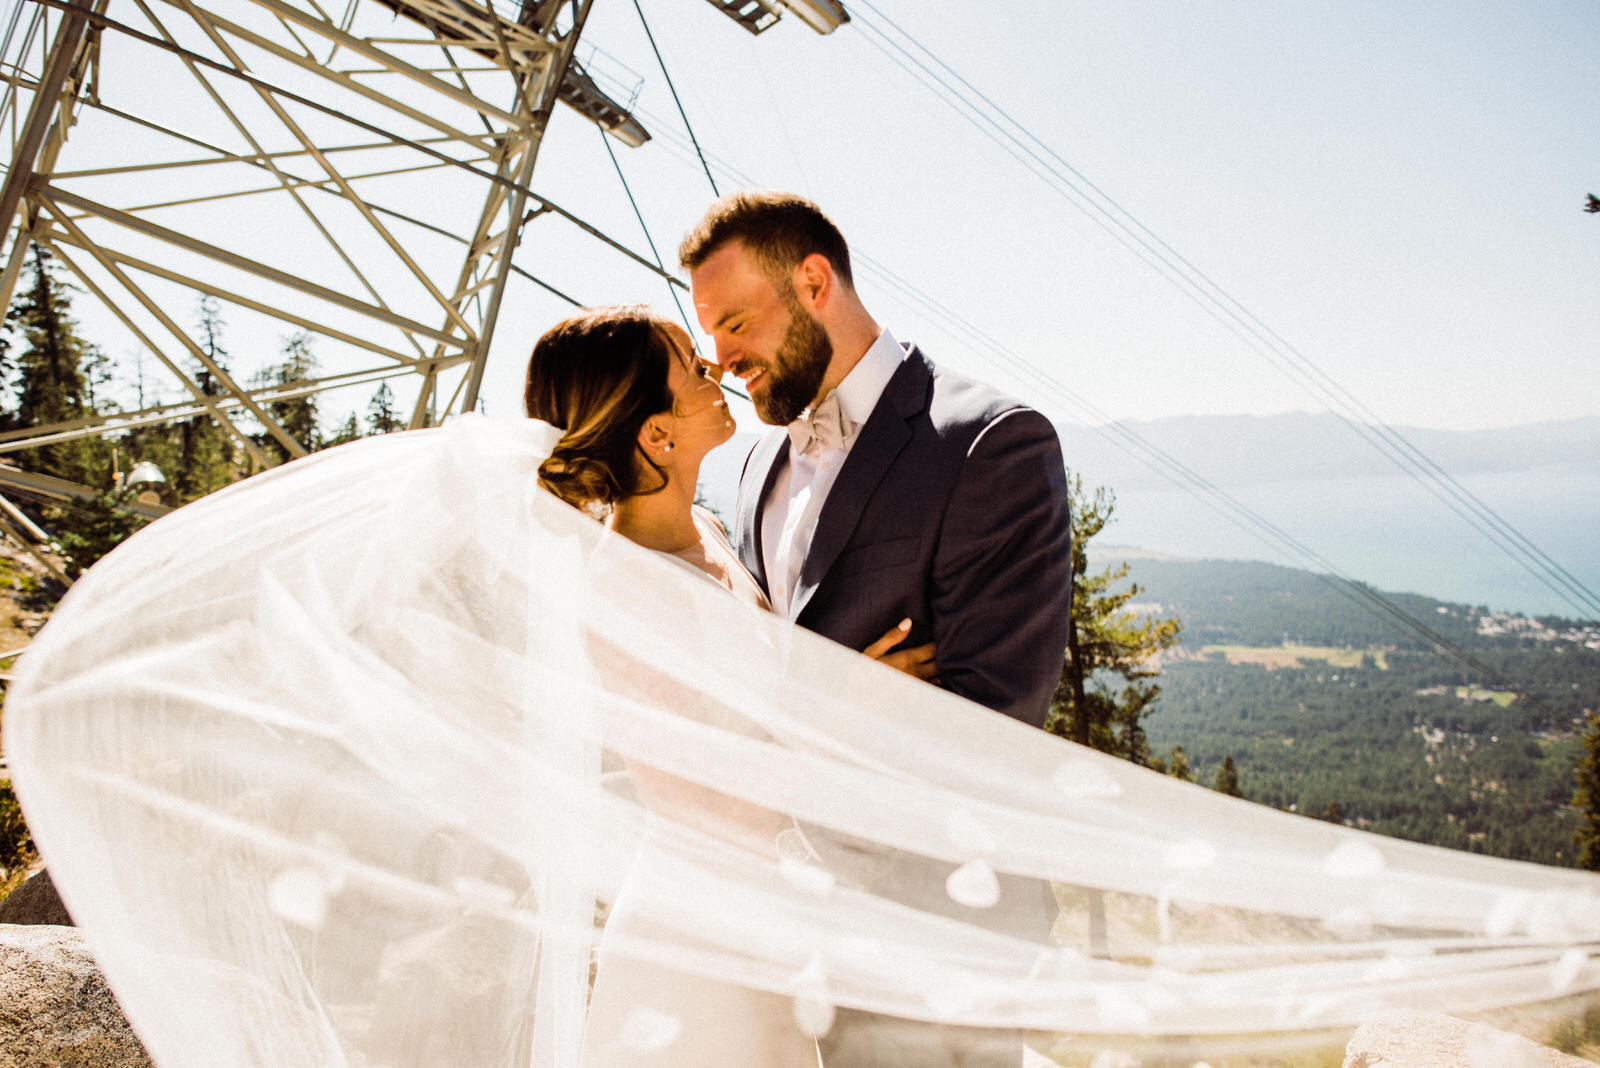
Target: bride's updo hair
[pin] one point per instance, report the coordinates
(600, 375)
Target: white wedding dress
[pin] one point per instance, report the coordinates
(712, 1024)
(333, 767)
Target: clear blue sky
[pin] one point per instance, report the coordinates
(1396, 190)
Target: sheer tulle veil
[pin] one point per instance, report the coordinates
(341, 764)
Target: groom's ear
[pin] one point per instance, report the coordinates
(814, 282)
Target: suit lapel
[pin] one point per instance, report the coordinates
(760, 471)
(883, 436)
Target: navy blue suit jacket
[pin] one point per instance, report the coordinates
(951, 508)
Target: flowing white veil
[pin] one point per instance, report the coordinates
(334, 767)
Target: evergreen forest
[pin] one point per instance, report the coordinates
(1324, 708)
(59, 387)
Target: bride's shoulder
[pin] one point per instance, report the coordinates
(706, 519)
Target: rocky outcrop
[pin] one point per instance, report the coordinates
(1405, 1039)
(55, 1008)
(35, 902)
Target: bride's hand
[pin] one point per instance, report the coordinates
(917, 661)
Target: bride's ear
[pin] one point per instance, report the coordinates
(654, 437)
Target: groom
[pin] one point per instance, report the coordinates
(899, 489)
(896, 490)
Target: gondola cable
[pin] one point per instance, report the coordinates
(673, 89)
(1179, 271)
(605, 139)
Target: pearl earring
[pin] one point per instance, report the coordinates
(667, 447)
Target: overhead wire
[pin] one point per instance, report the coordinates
(1132, 440)
(605, 139)
(674, 90)
(1208, 492)
(1399, 450)
(1174, 470)
(704, 165)
(1123, 226)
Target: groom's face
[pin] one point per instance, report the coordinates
(762, 332)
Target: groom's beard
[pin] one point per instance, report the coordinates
(797, 367)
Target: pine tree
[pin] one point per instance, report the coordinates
(349, 430)
(1175, 763)
(58, 375)
(1228, 778)
(1104, 690)
(382, 416)
(90, 529)
(1586, 798)
(207, 457)
(297, 415)
(55, 370)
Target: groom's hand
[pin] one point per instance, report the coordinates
(918, 661)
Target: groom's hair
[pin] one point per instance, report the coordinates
(779, 229)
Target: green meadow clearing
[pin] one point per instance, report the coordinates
(1293, 656)
(1478, 693)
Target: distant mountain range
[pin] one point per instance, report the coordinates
(1234, 450)
(1313, 476)
(1351, 508)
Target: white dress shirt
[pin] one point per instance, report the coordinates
(795, 502)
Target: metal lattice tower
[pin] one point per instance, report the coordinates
(362, 174)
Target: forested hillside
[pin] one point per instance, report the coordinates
(1334, 712)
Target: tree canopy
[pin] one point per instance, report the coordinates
(1106, 685)
(55, 373)
(1586, 798)
(57, 377)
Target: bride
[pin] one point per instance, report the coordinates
(639, 411)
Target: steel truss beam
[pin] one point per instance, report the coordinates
(93, 425)
(358, 175)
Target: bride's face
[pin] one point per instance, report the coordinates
(700, 417)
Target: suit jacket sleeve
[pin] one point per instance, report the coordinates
(1002, 573)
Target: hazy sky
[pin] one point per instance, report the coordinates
(1394, 189)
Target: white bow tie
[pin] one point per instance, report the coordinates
(823, 426)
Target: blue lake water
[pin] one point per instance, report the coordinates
(1392, 533)
(1389, 532)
